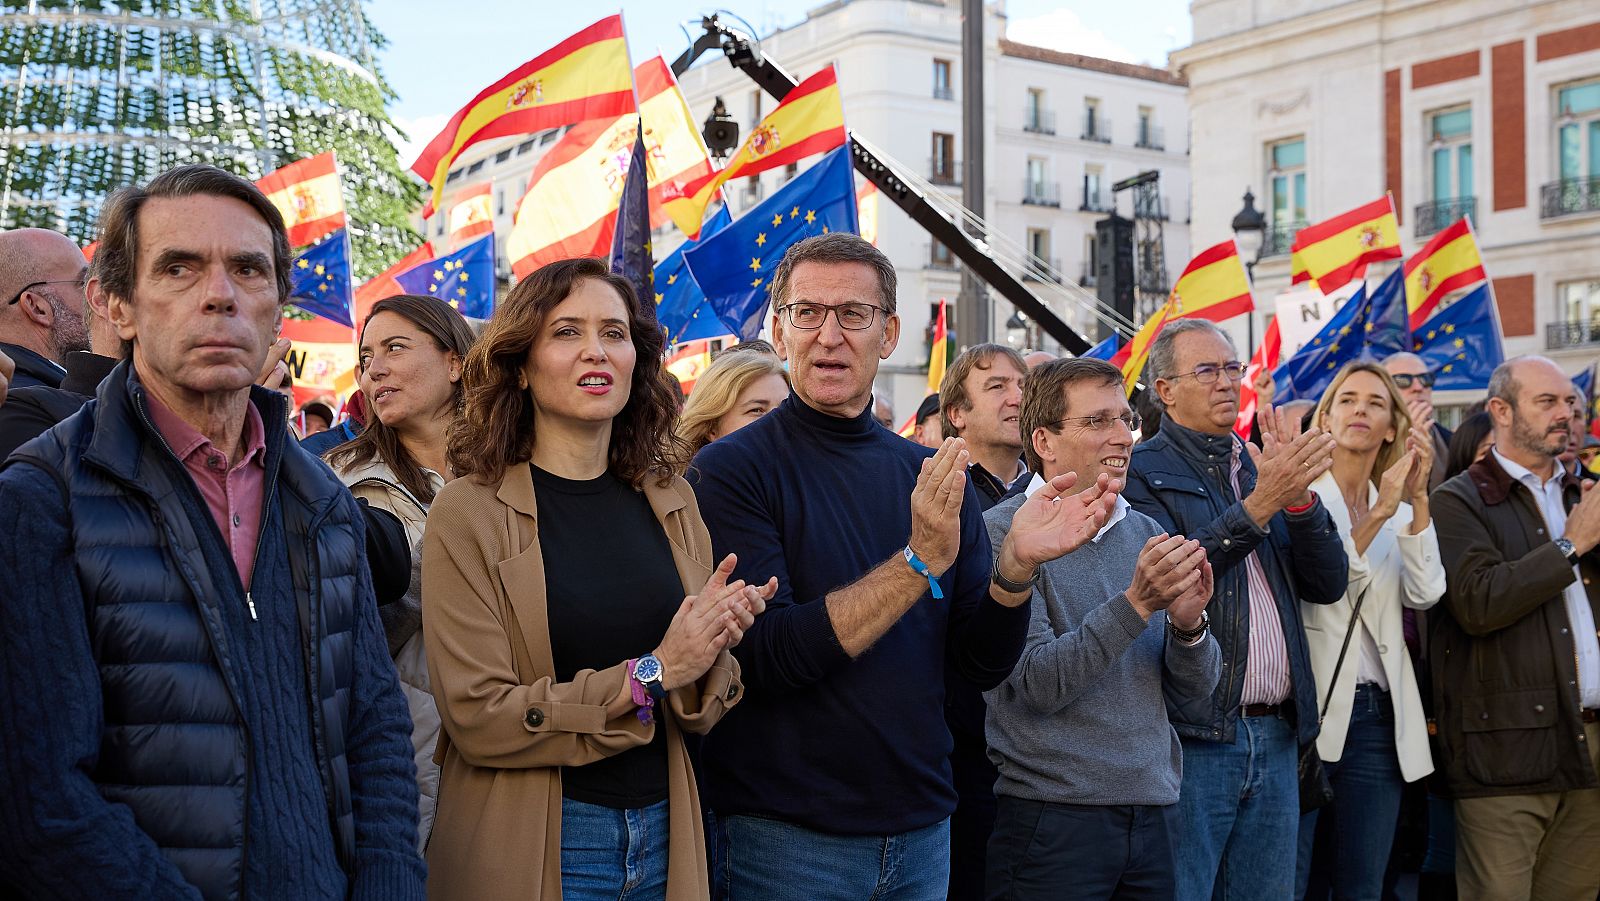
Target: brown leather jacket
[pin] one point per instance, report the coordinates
(1505, 669)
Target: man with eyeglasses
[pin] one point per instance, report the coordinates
(1271, 544)
(1089, 766)
(1415, 381)
(42, 278)
(831, 780)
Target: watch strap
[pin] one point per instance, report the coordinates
(1190, 636)
(1006, 584)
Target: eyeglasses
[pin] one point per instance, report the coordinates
(79, 282)
(1100, 421)
(1404, 380)
(1206, 373)
(851, 316)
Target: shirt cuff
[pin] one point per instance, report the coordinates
(1303, 507)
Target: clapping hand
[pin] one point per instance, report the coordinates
(1420, 444)
(1170, 567)
(709, 623)
(936, 506)
(1052, 524)
(1288, 461)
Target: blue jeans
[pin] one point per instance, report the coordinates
(1345, 846)
(1240, 806)
(612, 855)
(769, 860)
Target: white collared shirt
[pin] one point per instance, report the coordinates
(1548, 495)
(1117, 512)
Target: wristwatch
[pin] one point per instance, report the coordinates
(998, 578)
(1567, 549)
(1192, 635)
(648, 672)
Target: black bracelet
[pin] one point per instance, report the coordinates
(1192, 635)
(1010, 586)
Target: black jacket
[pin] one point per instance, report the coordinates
(30, 412)
(32, 369)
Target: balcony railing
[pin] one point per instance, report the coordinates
(1150, 137)
(1571, 334)
(943, 92)
(944, 171)
(1041, 193)
(1150, 207)
(1035, 269)
(1569, 196)
(1096, 128)
(1039, 121)
(1099, 201)
(1433, 216)
(1087, 275)
(1279, 237)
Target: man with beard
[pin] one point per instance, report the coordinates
(42, 278)
(1515, 659)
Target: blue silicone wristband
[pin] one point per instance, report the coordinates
(922, 570)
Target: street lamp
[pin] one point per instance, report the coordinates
(1250, 232)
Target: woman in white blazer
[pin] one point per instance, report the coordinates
(1374, 736)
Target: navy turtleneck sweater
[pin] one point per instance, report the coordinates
(848, 746)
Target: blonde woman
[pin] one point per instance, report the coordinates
(1374, 735)
(738, 388)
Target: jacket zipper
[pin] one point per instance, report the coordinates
(261, 537)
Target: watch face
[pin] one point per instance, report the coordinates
(648, 669)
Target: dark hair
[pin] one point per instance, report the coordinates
(953, 390)
(835, 247)
(495, 429)
(450, 333)
(116, 260)
(1044, 397)
(1464, 443)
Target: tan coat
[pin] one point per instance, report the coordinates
(509, 726)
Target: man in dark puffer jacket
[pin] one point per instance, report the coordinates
(197, 696)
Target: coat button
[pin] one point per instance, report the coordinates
(535, 717)
(733, 692)
(1563, 630)
(1538, 708)
(1227, 542)
(1158, 481)
(1383, 649)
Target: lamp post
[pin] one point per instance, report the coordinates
(1250, 232)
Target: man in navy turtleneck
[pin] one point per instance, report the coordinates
(832, 779)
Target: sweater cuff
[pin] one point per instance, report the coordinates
(814, 627)
(385, 877)
(1127, 617)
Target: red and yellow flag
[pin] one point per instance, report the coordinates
(809, 120)
(939, 351)
(1266, 357)
(1297, 269)
(471, 214)
(307, 193)
(867, 212)
(1447, 262)
(1213, 286)
(321, 358)
(1132, 356)
(384, 285)
(675, 152)
(689, 362)
(1336, 251)
(587, 76)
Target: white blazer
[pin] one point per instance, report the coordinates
(1398, 569)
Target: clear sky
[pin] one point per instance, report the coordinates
(440, 55)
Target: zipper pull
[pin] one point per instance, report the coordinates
(251, 601)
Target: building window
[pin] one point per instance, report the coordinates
(500, 203)
(942, 89)
(1036, 188)
(1091, 261)
(1039, 266)
(790, 171)
(943, 164)
(1450, 166)
(1095, 125)
(475, 167)
(549, 136)
(1286, 180)
(1149, 135)
(1035, 117)
(525, 147)
(1095, 197)
(755, 109)
(940, 257)
(1580, 311)
(1577, 152)
(503, 155)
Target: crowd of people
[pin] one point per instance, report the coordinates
(526, 624)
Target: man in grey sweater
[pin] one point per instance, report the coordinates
(1089, 766)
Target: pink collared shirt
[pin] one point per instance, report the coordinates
(1266, 666)
(233, 491)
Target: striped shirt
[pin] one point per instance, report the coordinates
(1266, 670)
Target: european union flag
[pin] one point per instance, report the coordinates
(1388, 326)
(1370, 326)
(1105, 350)
(321, 278)
(734, 267)
(630, 243)
(1461, 343)
(463, 278)
(681, 306)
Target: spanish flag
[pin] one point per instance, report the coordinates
(1131, 358)
(1213, 286)
(1337, 251)
(384, 285)
(1449, 261)
(571, 204)
(1297, 268)
(587, 76)
(689, 362)
(939, 351)
(307, 193)
(321, 358)
(471, 214)
(809, 120)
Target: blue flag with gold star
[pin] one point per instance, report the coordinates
(1461, 343)
(734, 267)
(321, 278)
(681, 306)
(464, 278)
(1308, 373)
(630, 243)
(1388, 326)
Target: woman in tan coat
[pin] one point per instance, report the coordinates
(573, 621)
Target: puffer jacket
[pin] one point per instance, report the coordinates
(402, 624)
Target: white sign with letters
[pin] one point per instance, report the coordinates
(1302, 312)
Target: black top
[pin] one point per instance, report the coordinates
(32, 369)
(31, 411)
(611, 589)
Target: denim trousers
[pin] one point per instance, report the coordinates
(608, 854)
(1344, 847)
(1240, 808)
(1056, 852)
(760, 859)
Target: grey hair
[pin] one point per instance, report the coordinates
(835, 247)
(1399, 355)
(1163, 356)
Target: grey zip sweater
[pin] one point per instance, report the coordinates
(1083, 717)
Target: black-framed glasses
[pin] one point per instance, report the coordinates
(1404, 380)
(1206, 373)
(851, 316)
(78, 282)
(1100, 421)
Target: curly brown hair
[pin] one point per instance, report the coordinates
(495, 429)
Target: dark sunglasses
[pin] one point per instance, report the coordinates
(1425, 379)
